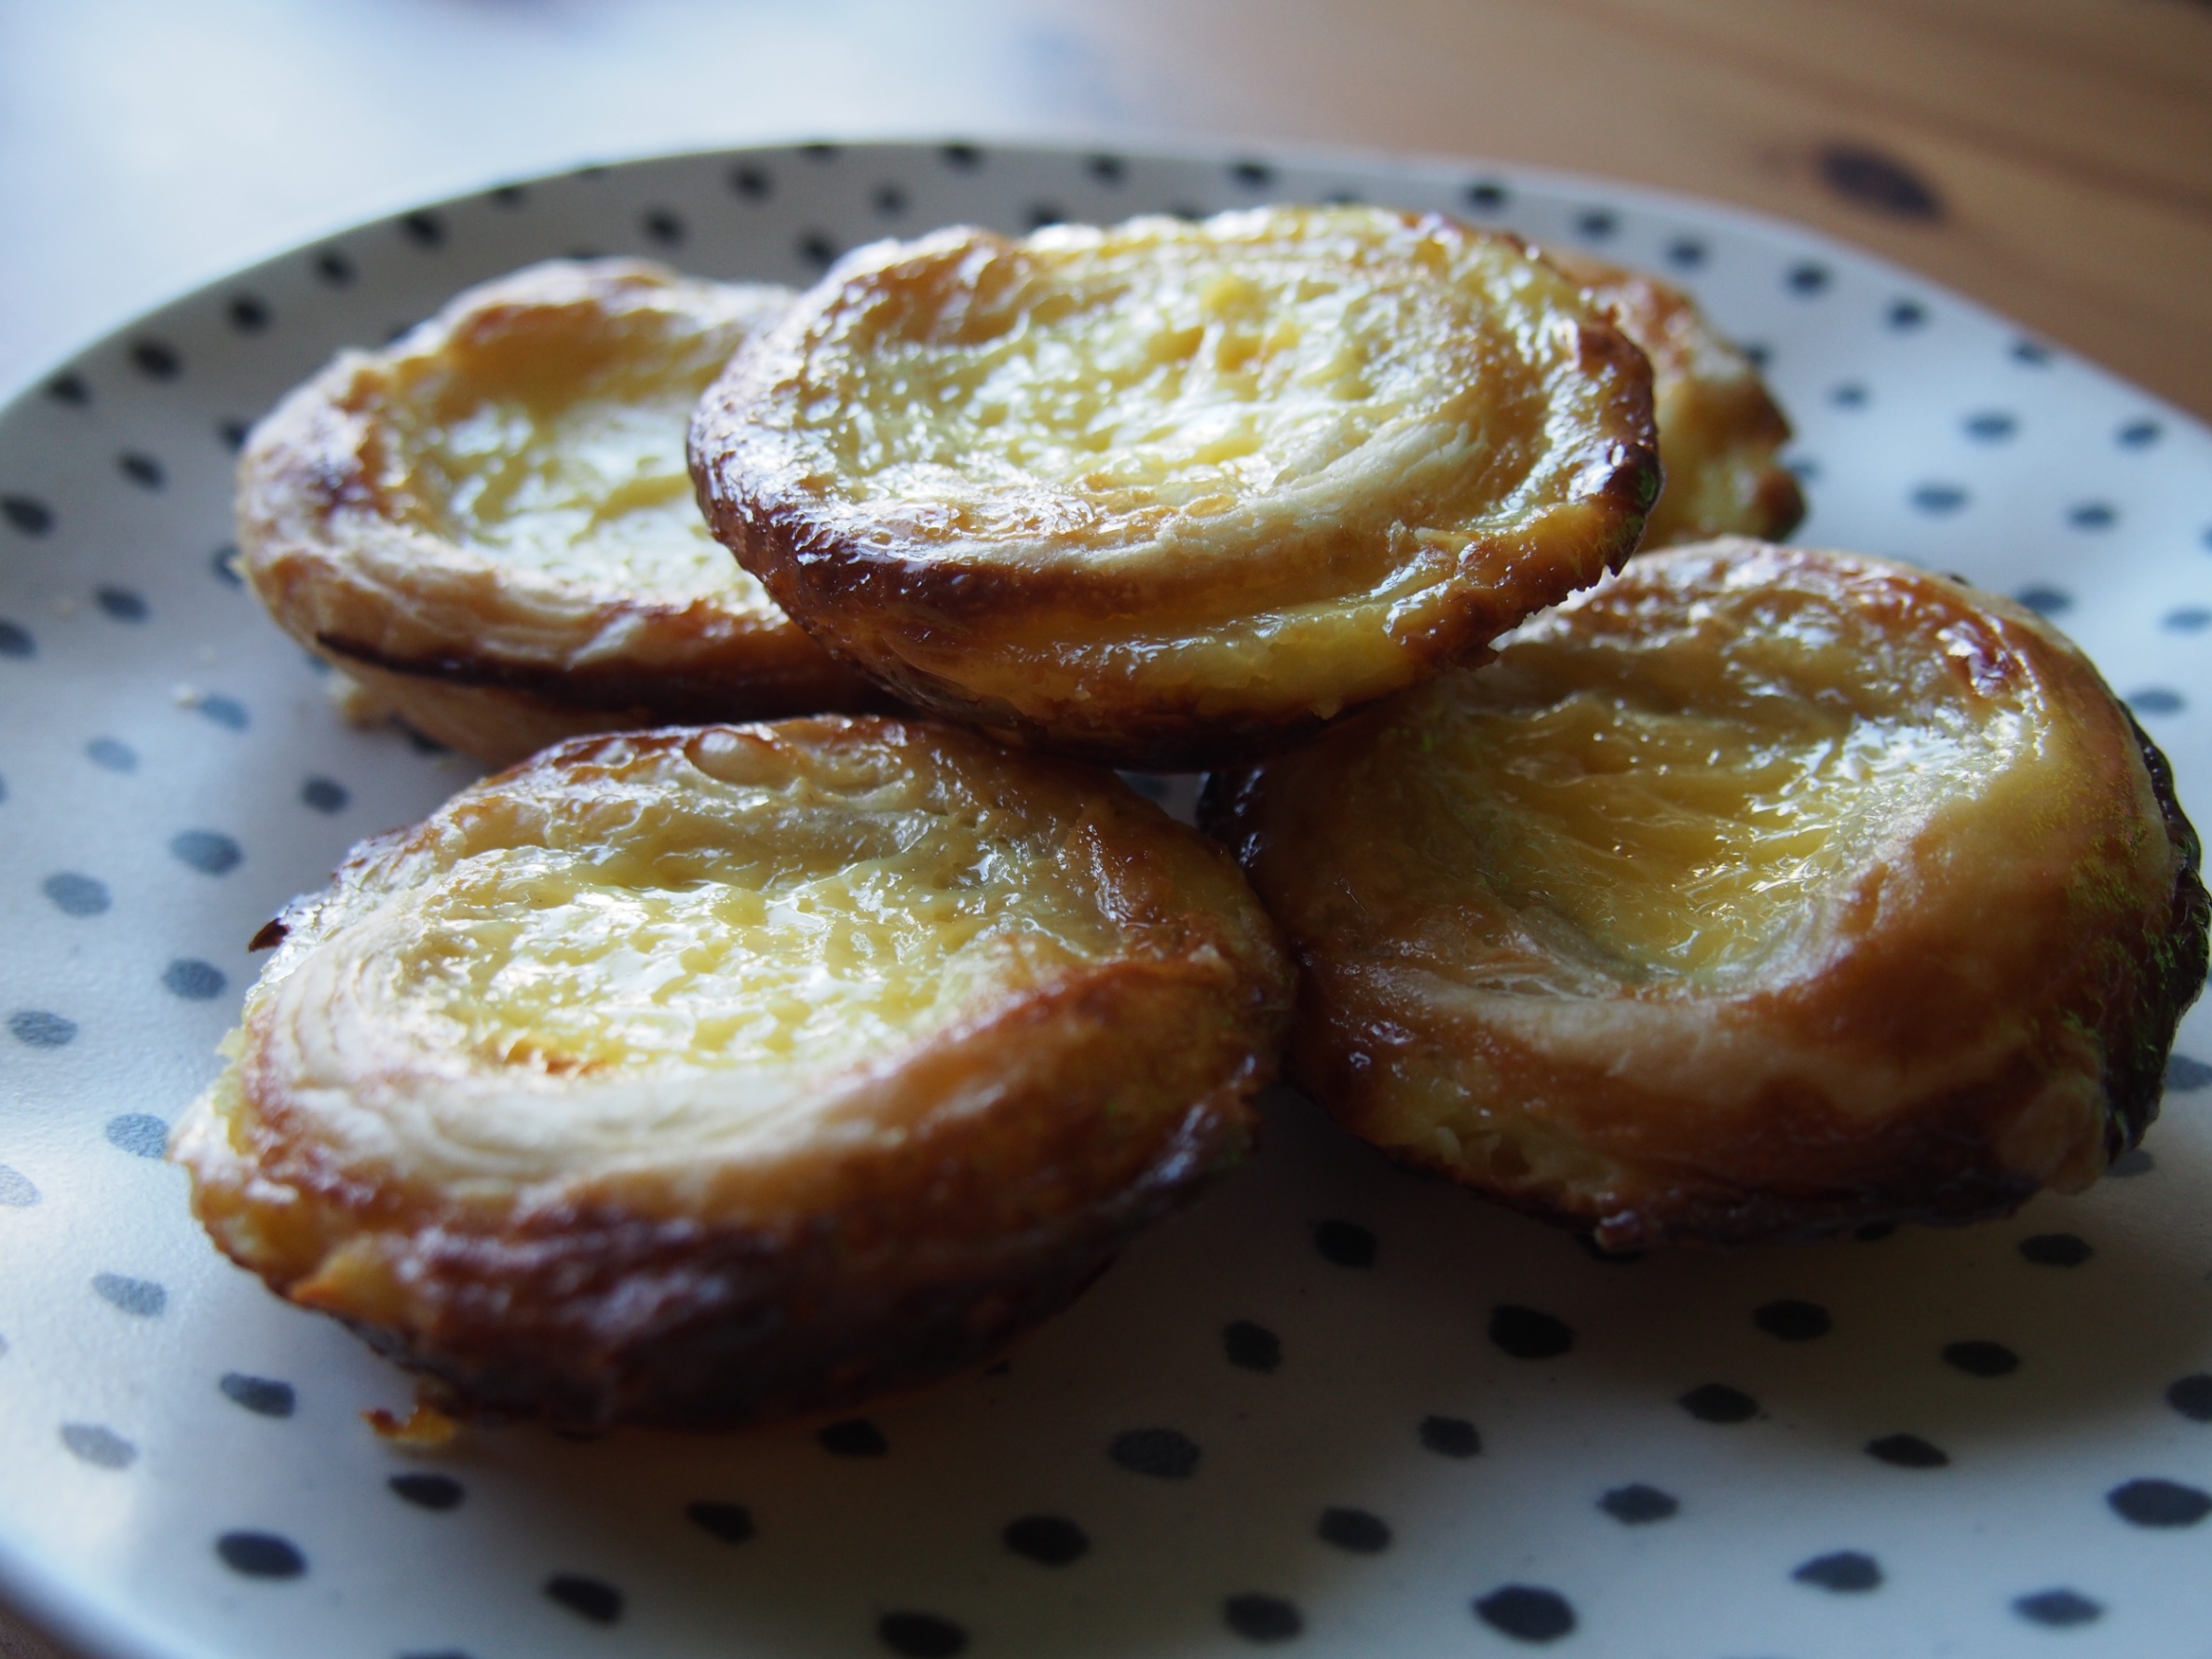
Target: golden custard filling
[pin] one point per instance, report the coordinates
(555, 444)
(751, 927)
(1664, 810)
(1162, 367)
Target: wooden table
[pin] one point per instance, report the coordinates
(2051, 158)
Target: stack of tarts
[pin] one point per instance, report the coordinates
(697, 1071)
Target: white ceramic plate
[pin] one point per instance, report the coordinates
(1335, 1407)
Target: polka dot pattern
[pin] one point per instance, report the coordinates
(1263, 1422)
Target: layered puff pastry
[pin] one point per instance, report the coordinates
(1720, 430)
(701, 1076)
(1756, 893)
(488, 526)
(1162, 493)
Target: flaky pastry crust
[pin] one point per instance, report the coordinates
(488, 525)
(701, 1076)
(1719, 429)
(1756, 893)
(1163, 492)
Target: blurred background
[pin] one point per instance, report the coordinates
(2051, 158)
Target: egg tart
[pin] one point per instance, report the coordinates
(1756, 893)
(1719, 429)
(1162, 493)
(706, 1075)
(489, 527)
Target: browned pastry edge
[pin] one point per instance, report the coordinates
(907, 612)
(1936, 1164)
(1109, 1095)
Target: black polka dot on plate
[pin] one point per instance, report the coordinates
(142, 469)
(1165, 1454)
(111, 755)
(324, 795)
(334, 268)
(1991, 426)
(2139, 434)
(2192, 1396)
(69, 388)
(2093, 515)
(2034, 353)
(726, 1523)
(1639, 1506)
(1257, 1617)
(751, 183)
(16, 640)
(121, 604)
(209, 852)
(2189, 619)
(1042, 213)
(591, 1599)
(193, 980)
(1756, 353)
(1527, 1612)
(1718, 1403)
(156, 360)
(921, 1636)
(1808, 279)
(1907, 1451)
(2185, 1075)
(264, 1396)
(1486, 196)
(1596, 224)
(2159, 1504)
(73, 893)
(1347, 1244)
(2154, 699)
(816, 249)
(1048, 1540)
(1938, 497)
(2058, 1609)
(424, 229)
(1793, 1321)
(1686, 254)
(888, 200)
(225, 712)
(508, 196)
(2056, 1249)
(102, 1448)
(261, 1555)
(27, 514)
(663, 226)
(1450, 1436)
(1251, 1347)
(1353, 1530)
(224, 562)
(1108, 170)
(2046, 602)
(140, 1133)
(1528, 1333)
(1907, 313)
(16, 1189)
(40, 1028)
(1981, 1359)
(440, 1492)
(249, 314)
(1843, 1571)
(141, 1298)
(854, 1437)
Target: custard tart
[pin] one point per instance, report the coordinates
(1756, 893)
(489, 528)
(707, 1074)
(1719, 429)
(1161, 493)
